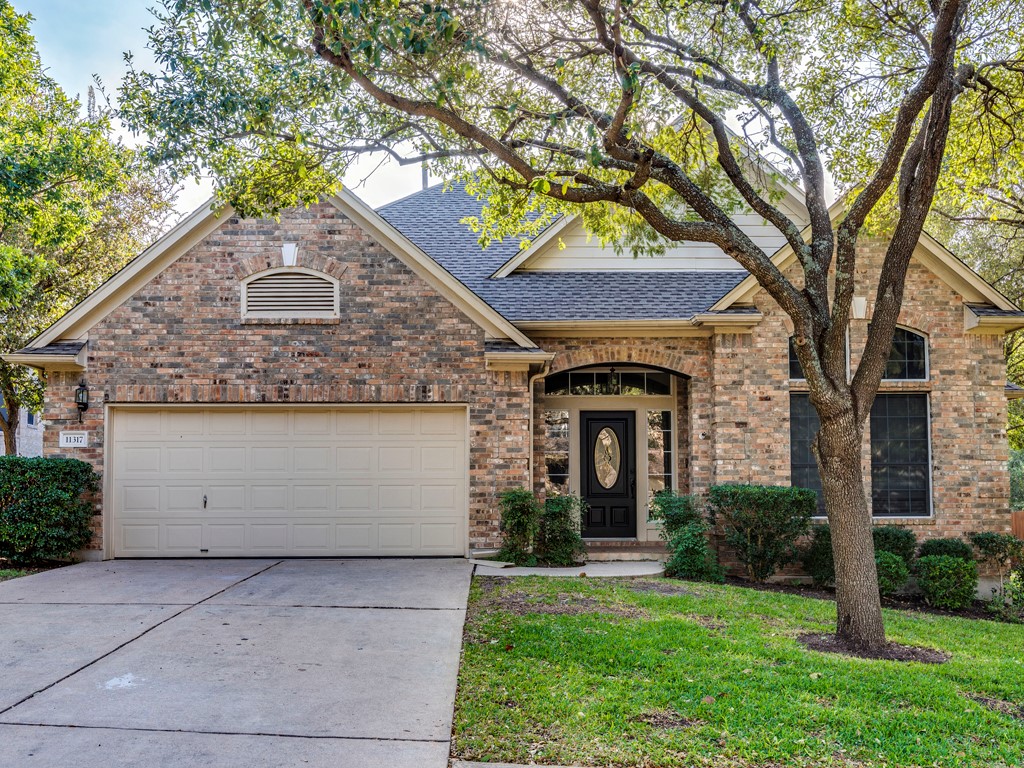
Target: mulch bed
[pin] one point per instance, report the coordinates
(888, 652)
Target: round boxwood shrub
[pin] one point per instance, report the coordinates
(892, 572)
(897, 540)
(817, 557)
(953, 547)
(947, 582)
(44, 514)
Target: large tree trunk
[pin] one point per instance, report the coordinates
(10, 430)
(858, 605)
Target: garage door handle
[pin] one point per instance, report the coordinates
(204, 501)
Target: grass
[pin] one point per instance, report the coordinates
(11, 573)
(716, 677)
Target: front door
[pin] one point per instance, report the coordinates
(608, 473)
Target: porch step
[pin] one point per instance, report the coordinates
(632, 551)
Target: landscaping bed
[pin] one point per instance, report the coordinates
(652, 672)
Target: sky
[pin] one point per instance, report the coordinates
(80, 39)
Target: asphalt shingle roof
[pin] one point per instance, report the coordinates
(430, 219)
(987, 310)
(58, 348)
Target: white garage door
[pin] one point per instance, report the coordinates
(288, 481)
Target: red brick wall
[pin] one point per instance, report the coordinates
(970, 480)
(181, 339)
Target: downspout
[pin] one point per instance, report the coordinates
(544, 370)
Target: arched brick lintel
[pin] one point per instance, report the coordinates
(318, 262)
(623, 354)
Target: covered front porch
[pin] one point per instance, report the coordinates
(616, 433)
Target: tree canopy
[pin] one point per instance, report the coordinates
(75, 205)
(647, 118)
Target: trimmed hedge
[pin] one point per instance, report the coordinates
(558, 540)
(947, 581)
(43, 512)
(762, 523)
(892, 572)
(952, 547)
(896, 540)
(685, 532)
(817, 557)
(520, 524)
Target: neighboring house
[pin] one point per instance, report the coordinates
(30, 432)
(352, 382)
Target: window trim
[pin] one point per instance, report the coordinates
(931, 480)
(927, 357)
(334, 314)
(930, 466)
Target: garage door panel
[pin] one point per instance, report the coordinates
(353, 423)
(397, 422)
(227, 459)
(225, 422)
(226, 538)
(282, 481)
(396, 458)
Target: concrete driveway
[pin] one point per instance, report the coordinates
(246, 663)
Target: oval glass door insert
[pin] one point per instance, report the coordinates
(607, 457)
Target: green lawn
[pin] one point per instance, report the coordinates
(11, 573)
(608, 674)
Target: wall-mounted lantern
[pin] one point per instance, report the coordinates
(82, 399)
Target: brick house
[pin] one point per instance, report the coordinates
(354, 382)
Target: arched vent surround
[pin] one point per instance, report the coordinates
(290, 293)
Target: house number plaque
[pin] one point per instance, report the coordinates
(74, 439)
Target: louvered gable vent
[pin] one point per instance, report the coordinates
(291, 293)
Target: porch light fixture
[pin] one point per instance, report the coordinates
(289, 254)
(82, 399)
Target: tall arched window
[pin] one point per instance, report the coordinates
(899, 428)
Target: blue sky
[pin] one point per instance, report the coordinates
(81, 38)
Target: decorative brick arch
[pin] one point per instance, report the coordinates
(914, 320)
(271, 259)
(623, 354)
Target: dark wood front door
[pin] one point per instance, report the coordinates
(608, 473)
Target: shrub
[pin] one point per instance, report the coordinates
(520, 524)
(954, 547)
(1003, 550)
(895, 540)
(892, 572)
(43, 512)
(558, 540)
(817, 557)
(762, 524)
(685, 532)
(947, 581)
(1000, 549)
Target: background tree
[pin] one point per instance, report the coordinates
(619, 111)
(75, 205)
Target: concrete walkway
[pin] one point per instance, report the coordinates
(224, 663)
